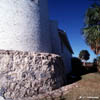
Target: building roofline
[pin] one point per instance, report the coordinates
(64, 38)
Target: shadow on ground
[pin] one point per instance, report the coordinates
(78, 69)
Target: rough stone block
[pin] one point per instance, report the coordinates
(25, 74)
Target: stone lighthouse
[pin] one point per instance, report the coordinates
(24, 25)
(25, 32)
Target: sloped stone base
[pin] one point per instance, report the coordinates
(25, 74)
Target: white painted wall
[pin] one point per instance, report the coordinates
(24, 25)
(55, 39)
(67, 56)
(56, 46)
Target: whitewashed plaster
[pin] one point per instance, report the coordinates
(24, 25)
(67, 56)
(55, 39)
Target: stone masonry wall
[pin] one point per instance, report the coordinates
(25, 74)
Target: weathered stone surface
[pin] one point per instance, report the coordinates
(25, 74)
(57, 94)
(1, 98)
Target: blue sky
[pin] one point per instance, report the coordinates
(70, 16)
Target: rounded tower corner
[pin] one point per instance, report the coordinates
(24, 25)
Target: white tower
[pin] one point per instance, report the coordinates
(24, 25)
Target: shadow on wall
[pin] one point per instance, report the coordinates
(75, 75)
(78, 70)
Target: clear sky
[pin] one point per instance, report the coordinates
(70, 16)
